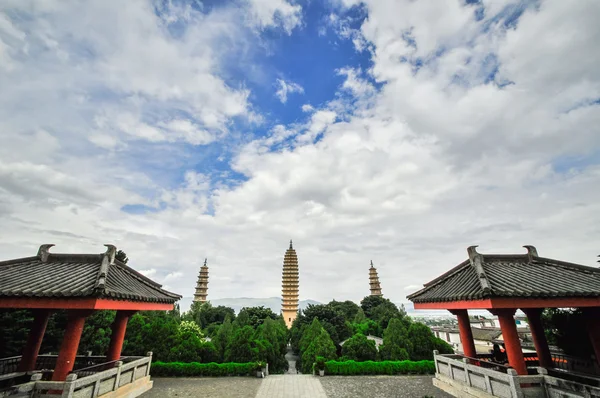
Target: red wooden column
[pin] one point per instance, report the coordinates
(466, 334)
(534, 317)
(119, 327)
(592, 316)
(511, 340)
(34, 340)
(69, 345)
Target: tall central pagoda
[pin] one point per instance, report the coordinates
(374, 281)
(289, 286)
(202, 284)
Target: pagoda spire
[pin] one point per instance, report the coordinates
(374, 285)
(202, 284)
(289, 286)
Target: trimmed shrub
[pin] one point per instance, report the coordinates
(353, 368)
(196, 369)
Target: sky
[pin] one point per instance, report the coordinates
(396, 131)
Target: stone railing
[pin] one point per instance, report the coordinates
(133, 376)
(456, 373)
(463, 376)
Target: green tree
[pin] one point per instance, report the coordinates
(239, 348)
(274, 332)
(321, 345)
(14, 330)
(348, 309)
(423, 342)
(155, 331)
(332, 320)
(567, 329)
(96, 332)
(360, 316)
(222, 337)
(359, 348)
(310, 333)
(396, 344)
(367, 327)
(188, 343)
(204, 314)
(256, 315)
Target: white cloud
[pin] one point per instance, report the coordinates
(269, 13)
(307, 108)
(286, 87)
(415, 159)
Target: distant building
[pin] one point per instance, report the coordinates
(374, 281)
(289, 286)
(483, 337)
(202, 284)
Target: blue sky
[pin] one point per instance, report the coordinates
(395, 131)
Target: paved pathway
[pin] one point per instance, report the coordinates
(291, 386)
(291, 358)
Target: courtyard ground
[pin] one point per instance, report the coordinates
(296, 386)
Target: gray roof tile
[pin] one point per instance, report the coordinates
(522, 276)
(77, 275)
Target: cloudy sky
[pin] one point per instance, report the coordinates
(386, 130)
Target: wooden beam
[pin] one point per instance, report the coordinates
(552, 302)
(74, 303)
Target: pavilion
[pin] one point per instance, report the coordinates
(504, 283)
(79, 284)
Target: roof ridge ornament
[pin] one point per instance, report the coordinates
(111, 252)
(531, 252)
(44, 252)
(476, 260)
(107, 260)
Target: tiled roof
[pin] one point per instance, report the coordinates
(520, 275)
(485, 334)
(78, 275)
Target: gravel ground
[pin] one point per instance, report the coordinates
(205, 387)
(380, 387)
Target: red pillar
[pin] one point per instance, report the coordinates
(69, 345)
(534, 317)
(34, 340)
(119, 327)
(514, 352)
(466, 334)
(592, 316)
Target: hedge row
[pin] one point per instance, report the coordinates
(192, 369)
(351, 368)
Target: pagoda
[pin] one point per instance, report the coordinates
(202, 284)
(374, 281)
(289, 293)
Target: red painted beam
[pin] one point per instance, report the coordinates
(566, 302)
(81, 303)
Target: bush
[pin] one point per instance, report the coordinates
(352, 368)
(359, 348)
(195, 369)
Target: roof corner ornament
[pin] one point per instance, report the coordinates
(44, 252)
(476, 260)
(531, 251)
(472, 251)
(111, 251)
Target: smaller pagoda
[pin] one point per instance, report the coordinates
(202, 284)
(374, 281)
